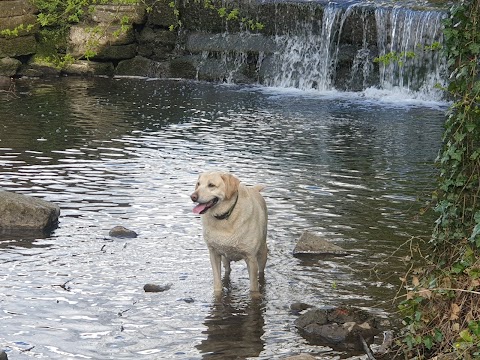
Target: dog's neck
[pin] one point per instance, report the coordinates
(227, 214)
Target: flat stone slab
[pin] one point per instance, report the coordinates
(313, 244)
(22, 212)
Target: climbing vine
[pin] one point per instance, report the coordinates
(441, 311)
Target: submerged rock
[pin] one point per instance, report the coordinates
(22, 212)
(339, 328)
(122, 232)
(301, 357)
(312, 244)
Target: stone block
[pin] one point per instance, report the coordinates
(101, 39)
(89, 68)
(156, 44)
(161, 15)
(9, 66)
(21, 23)
(15, 8)
(239, 42)
(140, 66)
(183, 68)
(17, 46)
(117, 52)
(116, 14)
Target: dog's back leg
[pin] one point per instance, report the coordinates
(226, 265)
(262, 260)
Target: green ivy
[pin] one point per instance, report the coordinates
(441, 312)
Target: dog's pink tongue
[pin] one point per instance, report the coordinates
(199, 208)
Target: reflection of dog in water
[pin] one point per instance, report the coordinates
(234, 329)
(234, 218)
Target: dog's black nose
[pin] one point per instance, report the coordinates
(194, 197)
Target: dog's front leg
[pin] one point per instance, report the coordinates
(216, 261)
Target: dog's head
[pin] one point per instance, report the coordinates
(212, 188)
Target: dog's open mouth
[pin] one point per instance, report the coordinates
(203, 207)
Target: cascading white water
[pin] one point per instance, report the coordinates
(306, 60)
(407, 36)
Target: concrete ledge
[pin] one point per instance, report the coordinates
(241, 42)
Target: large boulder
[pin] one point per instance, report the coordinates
(22, 212)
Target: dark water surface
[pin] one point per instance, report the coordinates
(128, 152)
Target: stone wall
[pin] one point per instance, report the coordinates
(129, 40)
(17, 34)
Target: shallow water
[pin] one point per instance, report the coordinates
(128, 152)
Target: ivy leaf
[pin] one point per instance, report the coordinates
(474, 48)
(428, 342)
(466, 336)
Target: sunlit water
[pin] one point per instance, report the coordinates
(128, 152)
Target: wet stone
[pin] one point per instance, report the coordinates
(156, 288)
(340, 328)
(298, 307)
(122, 232)
(313, 244)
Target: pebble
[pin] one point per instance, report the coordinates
(156, 288)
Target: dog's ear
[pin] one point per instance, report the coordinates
(231, 185)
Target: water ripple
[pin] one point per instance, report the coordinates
(128, 152)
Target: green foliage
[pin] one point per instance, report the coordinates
(441, 313)
(55, 18)
(224, 12)
(17, 30)
(460, 162)
(395, 57)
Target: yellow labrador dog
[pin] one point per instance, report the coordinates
(234, 219)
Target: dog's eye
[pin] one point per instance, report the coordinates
(211, 185)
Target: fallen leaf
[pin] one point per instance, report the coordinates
(455, 311)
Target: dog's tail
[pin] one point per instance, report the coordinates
(258, 187)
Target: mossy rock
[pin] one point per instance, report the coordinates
(140, 66)
(9, 66)
(18, 46)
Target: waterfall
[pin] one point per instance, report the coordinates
(357, 47)
(307, 60)
(408, 36)
(330, 60)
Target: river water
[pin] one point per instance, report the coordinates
(128, 151)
